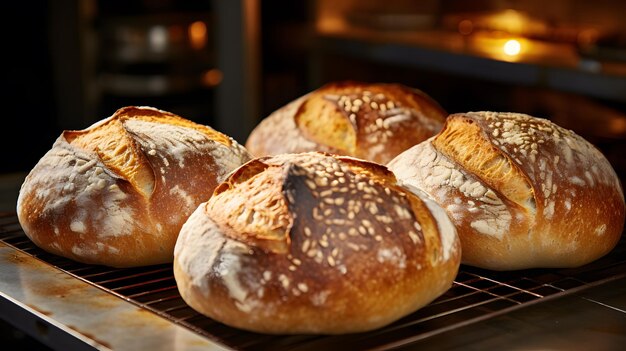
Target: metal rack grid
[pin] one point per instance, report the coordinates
(475, 295)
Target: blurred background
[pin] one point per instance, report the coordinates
(230, 63)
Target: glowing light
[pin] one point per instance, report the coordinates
(512, 47)
(197, 34)
(157, 37)
(212, 77)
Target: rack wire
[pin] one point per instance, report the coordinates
(475, 295)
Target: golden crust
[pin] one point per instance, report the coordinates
(550, 199)
(118, 192)
(360, 251)
(374, 122)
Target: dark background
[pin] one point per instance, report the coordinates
(58, 54)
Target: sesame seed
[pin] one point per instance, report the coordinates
(331, 261)
(414, 237)
(326, 193)
(307, 231)
(338, 221)
(335, 252)
(321, 181)
(319, 257)
(316, 214)
(303, 287)
(283, 280)
(305, 245)
(378, 238)
(292, 268)
(353, 246)
(267, 275)
(384, 219)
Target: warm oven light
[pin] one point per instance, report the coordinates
(512, 47)
(197, 34)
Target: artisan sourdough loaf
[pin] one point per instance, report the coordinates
(118, 192)
(374, 122)
(522, 191)
(314, 243)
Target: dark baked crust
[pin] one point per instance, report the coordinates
(311, 243)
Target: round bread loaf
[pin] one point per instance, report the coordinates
(118, 192)
(374, 122)
(522, 191)
(314, 243)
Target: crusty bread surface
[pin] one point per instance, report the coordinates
(372, 121)
(522, 191)
(314, 243)
(118, 192)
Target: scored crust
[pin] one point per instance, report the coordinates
(312, 243)
(370, 121)
(522, 191)
(118, 192)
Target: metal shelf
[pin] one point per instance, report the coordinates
(572, 74)
(69, 304)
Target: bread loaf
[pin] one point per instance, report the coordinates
(522, 191)
(313, 243)
(374, 122)
(118, 192)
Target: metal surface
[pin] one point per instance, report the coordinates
(104, 300)
(66, 313)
